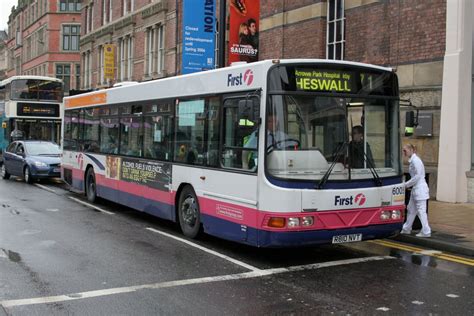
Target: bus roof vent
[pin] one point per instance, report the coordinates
(124, 83)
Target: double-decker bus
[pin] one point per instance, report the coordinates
(258, 153)
(30, 108)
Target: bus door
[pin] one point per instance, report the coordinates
(235, 184)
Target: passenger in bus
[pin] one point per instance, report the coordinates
(357, 155)
(17, 134)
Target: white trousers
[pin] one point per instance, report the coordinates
(417, 207)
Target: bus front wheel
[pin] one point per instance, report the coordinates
(91, 189)
(188, 213)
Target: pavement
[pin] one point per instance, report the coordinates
(452, 228)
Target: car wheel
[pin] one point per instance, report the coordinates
(91, 189)
(5, 174)
(27, 175)
(188, 213)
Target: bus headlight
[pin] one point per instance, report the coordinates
(396, 214)
(385, 215)
(307, 221)
(293, 222)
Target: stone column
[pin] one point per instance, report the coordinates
(455, 129)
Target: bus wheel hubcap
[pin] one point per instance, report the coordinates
(189, 211)
(91, 186)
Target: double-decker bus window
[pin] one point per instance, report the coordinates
(33, 89)
(131, 136)
(91, 130)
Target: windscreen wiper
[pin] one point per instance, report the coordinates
(371, 166)
(325, 178)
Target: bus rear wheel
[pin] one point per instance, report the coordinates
(188, 213)
(91, 189)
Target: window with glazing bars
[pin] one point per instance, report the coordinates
(335, 30)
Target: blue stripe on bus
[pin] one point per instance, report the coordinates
(96, 161)
(261, 238)
(315, 237)
(353, 184)
(152, 207)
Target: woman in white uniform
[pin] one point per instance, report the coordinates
(419, 193)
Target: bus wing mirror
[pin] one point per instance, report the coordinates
(247, 109)
(411, 121)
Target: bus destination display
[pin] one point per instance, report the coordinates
(324, 80)
(33, 109)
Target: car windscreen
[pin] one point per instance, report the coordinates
(42, 149)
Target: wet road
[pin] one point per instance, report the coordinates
(58, 256)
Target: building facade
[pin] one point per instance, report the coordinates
(43, 39)
(140, 34)
(3, 54)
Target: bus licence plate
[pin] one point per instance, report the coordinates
(346, 238)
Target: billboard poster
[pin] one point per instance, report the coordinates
(243, 31)
(199, 22)
(155, 174)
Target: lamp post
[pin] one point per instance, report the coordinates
(222, 26)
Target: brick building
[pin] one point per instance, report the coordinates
(3, 54)
(43, 39)
(142, 32)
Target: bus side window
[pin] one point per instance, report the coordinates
(91, 130)
(190, 126)
(156, 137)
(240, 138)
(212, 154)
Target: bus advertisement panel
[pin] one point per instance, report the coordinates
(273, 154)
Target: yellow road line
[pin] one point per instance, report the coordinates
(440, 255)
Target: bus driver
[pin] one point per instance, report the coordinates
(276, 139)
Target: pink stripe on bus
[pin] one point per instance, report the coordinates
(251, 217)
